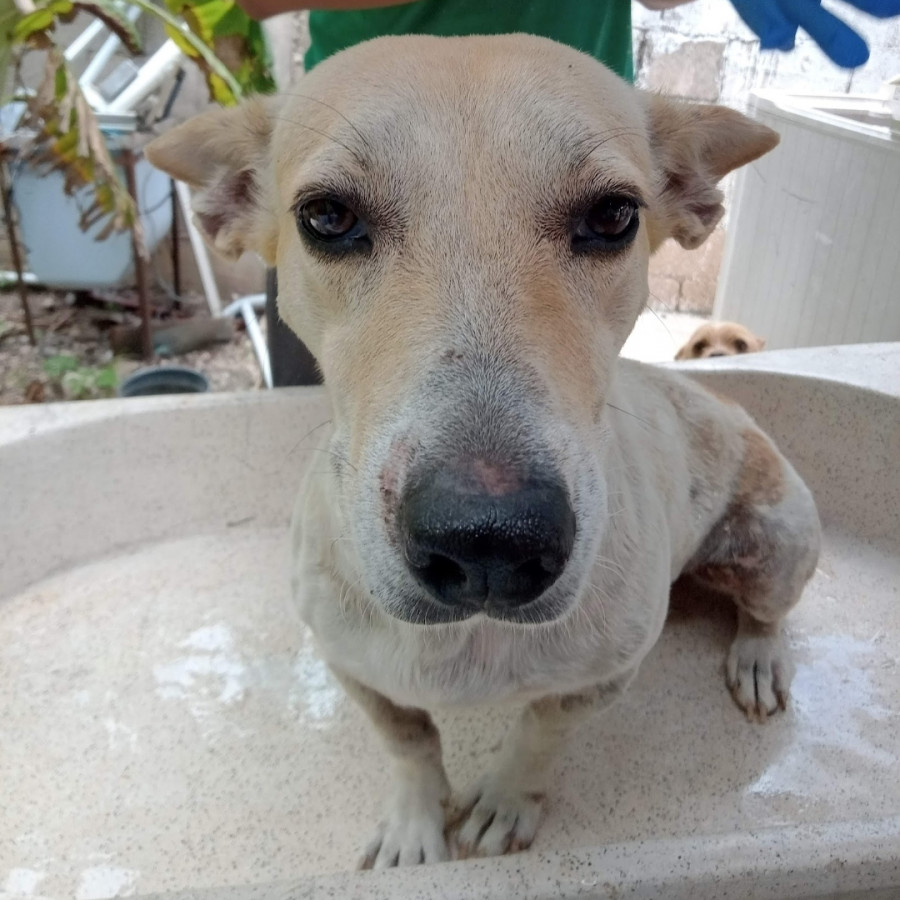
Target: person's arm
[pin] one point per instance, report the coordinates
(263, 9)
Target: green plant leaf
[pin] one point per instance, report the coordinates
(41, 20)
(9, 18)
(57, 366)
(237, 40)
(61, 84)
(106, 378)
(200, 52)
(67, 138)
(228, 46)
(75, 385)
(44, 19)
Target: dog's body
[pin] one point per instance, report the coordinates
(720, 339)
(462, 229)
(673, 456)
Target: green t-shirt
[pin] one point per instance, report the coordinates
(600, 28)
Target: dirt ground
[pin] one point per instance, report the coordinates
(73, 358)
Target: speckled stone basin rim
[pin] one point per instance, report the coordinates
(785, 864)
(81, 481)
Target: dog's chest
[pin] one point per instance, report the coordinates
(485, 663)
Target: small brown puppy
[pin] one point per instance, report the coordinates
(720, 339)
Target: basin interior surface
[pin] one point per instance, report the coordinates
(168, 726)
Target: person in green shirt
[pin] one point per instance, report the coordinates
(600, 28)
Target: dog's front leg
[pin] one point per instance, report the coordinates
(412, 829)
(501, 812)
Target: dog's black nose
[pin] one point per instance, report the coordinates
(498, 546)
(713, 355)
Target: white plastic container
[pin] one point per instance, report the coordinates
(812, 255)
(59, 253)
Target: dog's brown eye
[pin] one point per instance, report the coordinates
(328, 220)
(699, 347)
(608, 224)
(740, 345)
(610, 218)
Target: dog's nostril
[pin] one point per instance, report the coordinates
(446, 575)
(535, 574)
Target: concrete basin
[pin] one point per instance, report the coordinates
(168, 731)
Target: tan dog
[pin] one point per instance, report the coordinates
(720, 339)
(462, 228)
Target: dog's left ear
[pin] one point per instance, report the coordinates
(222, 155)
(694, 146)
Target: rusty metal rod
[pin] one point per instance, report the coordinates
(140, 262)
(176, 249)
(14, 250)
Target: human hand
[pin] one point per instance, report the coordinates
(776, 22)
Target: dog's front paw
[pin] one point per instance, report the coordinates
(758, 671)
(497, 818)
(412, 830)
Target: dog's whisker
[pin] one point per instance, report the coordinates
(596, 619)
(334, 109)
(338, 456)
(340, 539)
(635, 416)
(354, 153)
(306, 436)
(669, 307)
(611, 566)
(608, 136)
(344, 597)
(662, 321)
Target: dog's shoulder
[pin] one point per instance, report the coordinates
(656, 391)
(690, 441)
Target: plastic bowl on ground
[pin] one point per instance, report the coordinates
(164, 380)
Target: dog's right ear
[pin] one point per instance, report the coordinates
(222, 155)
(694, 146)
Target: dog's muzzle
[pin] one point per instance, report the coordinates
(485, 547)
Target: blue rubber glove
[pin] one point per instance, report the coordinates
(776, 22)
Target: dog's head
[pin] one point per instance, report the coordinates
(462, 228)
(720, 339)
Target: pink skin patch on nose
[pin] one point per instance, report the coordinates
(492, 479)
(393, 474)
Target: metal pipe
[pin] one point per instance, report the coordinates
(81, 43)
(247, 308)
(152, 74)
(256, 339)
(257, 301)
(207, 279)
